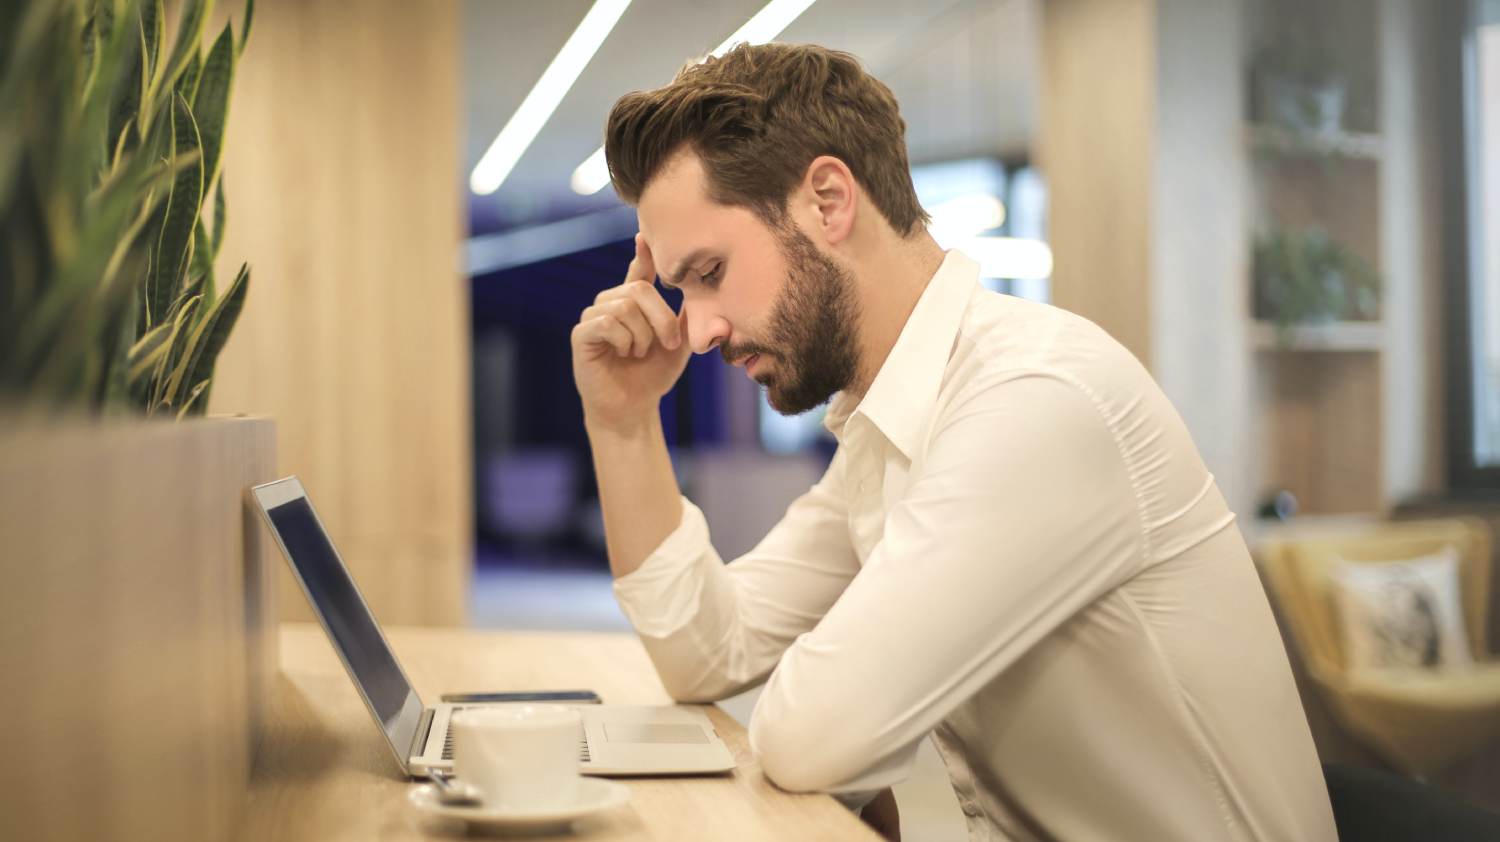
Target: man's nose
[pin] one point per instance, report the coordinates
(706, 329)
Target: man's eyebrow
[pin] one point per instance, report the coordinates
(674, 279)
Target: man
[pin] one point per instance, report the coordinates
(1016, 548)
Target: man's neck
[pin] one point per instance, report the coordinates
(891, 278)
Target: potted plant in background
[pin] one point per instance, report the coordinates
(1305, 277)
(1298, 88)
(1298, 83)
(130, 566)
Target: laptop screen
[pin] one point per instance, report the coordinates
(343, 612)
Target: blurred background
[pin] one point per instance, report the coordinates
(1290, 211)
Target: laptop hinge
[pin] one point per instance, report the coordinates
(419, 739)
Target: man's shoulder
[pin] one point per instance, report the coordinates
(1003, 338)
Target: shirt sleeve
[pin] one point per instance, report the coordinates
(1022, 513)
(712, 629)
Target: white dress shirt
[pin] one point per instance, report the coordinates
(1018, 550)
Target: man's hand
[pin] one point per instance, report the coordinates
(628, 348)
(882, 816)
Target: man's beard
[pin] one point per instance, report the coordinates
(813, 330)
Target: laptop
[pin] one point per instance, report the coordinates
(616, 739)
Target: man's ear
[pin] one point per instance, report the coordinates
(834, 195)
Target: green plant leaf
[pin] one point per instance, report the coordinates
(152, 312)
(147, 351)
(187, 83)
(85, 281)
(173, 248)
(117, 212)
(71, 234)
(116, 385)
(163, 375)
(193, 290)
(80, 153)
(220, 217)
(210, 288)
(154, 354)
(203, 263)
(249, 17)
(120, 141)
(191, 405)
(127, 93)
(37, 51)
(214, 330)
(211, 106)
(93, 35)
(154, 27)
(195, 14)
(188, 305)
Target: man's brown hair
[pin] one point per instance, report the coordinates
(756, 117)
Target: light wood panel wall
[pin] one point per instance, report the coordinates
(344, 192)
(1094, 145)
(138, 646)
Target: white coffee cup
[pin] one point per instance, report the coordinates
(518, 756)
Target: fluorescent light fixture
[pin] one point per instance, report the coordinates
(592, 175)
(549, 90)
(767, 24)
(1009, 257)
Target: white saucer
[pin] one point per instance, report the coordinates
(594, 795)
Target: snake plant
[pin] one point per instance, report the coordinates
(110, 149)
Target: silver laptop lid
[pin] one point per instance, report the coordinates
(342, 611)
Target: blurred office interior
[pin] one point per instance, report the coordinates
(1289, 211)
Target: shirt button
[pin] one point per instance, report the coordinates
(969, 807)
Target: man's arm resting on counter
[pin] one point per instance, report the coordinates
(1022, 515)
(713, 629)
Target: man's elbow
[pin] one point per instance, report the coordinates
(694, 694)
(806, 756)
(693, 673)
(702, 688)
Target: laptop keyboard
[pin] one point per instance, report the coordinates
(583, 744)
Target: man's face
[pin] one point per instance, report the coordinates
(764, 295)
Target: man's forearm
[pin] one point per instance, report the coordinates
(637, 490)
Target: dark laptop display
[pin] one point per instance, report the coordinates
(348, 621)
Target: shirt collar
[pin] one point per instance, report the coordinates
(901, 398)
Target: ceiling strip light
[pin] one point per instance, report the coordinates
(592, 175)
(549, 90)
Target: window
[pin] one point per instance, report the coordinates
(1473, 184)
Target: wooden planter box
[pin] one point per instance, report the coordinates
(138, 627)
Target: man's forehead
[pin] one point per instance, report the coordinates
(676, 239)
(673, 205)
(668, 249)
(679, 219)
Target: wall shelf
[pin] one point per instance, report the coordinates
(1275, 140)
(1333, 336)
